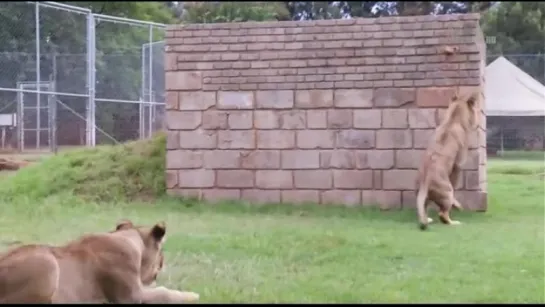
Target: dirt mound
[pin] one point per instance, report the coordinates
(11, 164)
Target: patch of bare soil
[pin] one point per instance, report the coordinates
(10, 164)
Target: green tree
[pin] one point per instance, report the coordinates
(214, 12)
(327, 10)
(518, 28)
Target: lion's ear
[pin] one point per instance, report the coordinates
(158, 231)
(123, 224)
(472, 100)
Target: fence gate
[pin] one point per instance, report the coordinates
(36, 115)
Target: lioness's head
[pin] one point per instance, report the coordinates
(466, 109)
(152, 256)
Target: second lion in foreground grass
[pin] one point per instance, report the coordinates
(442, 163)
(115, 267)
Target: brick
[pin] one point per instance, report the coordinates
(300, 159)
(313, 179)
(192, 101)
(235, 100)
(183, 80)
(300, 196)
(482, 156)
(266, 119)
(183, 120)
(409, 158)
(274, 179)
(339, 119)
(434, 97)
(472, 160)
(177, 159)
(380, 159)
(198, 139)
(235, 179)
(343, 159)
(281, 139)
(217, 195)
(394, 118)
(357, 159)
(170, 61)
(362, 98)
(472, 200)
(240, 119)
(315, 139)
(261, 159)
(171, 179)
(394, 139)
(222, 159)
(386, 200)
(261, 196)
(393, 97)
(408, 199)
(173, 139)
(356, 139)
(236, 139)
(212, 119)
(196, 178)
(310, 99)
(377, 179)
(367, 119)
(280, 99)
(353, 179)
(422, 138)
(422, 118)
(398, 179)
(171, 100)
(483, 184)
(294, 119)
(341, 197)
(316, 119)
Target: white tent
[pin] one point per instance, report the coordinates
(512, 92)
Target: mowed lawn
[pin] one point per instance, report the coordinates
(238, 253)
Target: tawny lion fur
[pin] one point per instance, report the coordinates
(442, 162)
(115, 267)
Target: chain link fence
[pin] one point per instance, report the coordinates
(69, 77)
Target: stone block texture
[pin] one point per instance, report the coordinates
(331, 111)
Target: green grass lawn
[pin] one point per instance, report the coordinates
(238, 253)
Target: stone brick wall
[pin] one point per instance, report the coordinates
(333, 111)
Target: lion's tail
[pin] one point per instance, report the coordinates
(421, 196)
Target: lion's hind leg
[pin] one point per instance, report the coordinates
(32, 280)
(453, 178)
(446, 202)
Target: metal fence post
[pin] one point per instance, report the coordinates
(90, 131)
(141, 106)
(150, 77)
(38, 87)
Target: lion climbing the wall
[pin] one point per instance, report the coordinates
(442, 162)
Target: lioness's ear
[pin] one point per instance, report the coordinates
(472, 100)
(123, 224)
(158, 231)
